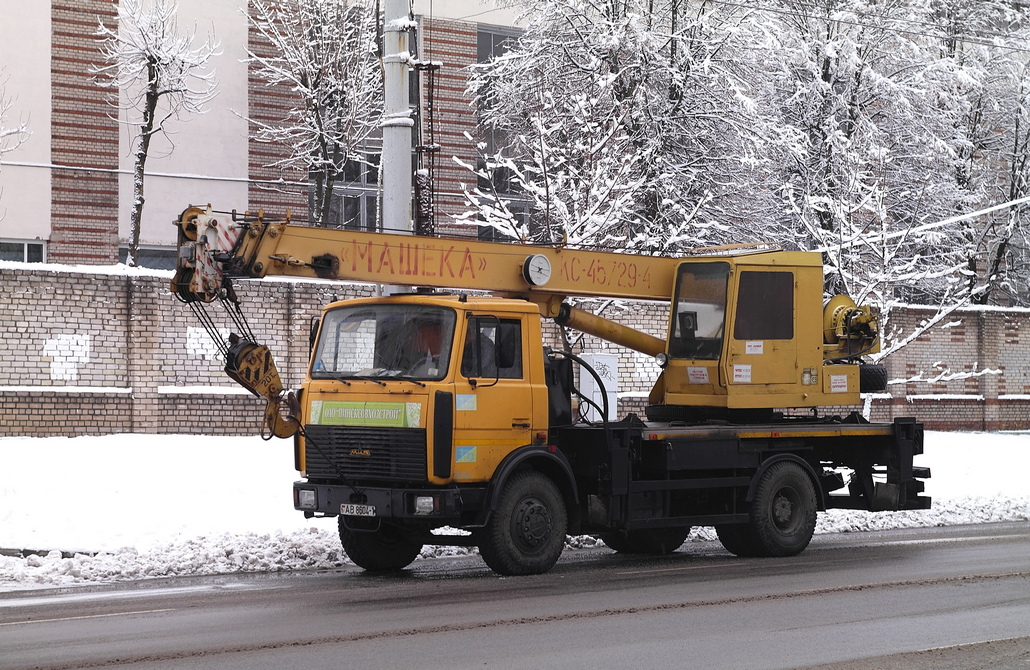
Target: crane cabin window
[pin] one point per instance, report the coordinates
(765, 306)
(699, 310)
(384, 342)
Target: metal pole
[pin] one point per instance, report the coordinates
(398, 121)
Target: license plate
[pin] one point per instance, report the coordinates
(358, 510)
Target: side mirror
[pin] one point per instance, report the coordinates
(316, 321)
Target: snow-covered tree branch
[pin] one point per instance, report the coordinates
(325, 52)
(13, 135)
(625, 124)
(160, 76)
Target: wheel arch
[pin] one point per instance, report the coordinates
(553, 464)
(806, 467)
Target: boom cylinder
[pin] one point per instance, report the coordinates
(609, 330)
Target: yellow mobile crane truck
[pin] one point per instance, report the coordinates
(426, 410)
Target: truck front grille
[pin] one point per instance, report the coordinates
(364, 453)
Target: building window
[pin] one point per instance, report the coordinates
(492, 43)
(154, 258)
(355, 203)
(22, 252)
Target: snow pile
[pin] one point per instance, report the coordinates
(226, 553)
(135, 506)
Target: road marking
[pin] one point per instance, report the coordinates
(689, 567)
(89, 616)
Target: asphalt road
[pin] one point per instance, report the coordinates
(922, 598)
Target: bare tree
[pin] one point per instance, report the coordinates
(11, 137)
(326, 53)
(984, 40)
(161, 75)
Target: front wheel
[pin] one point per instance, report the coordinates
(526, 533)
(387, 548)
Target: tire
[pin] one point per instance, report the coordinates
(871, 378)
(654, 541)
(383, 550)
(738, 539)
(526, 533)
(782, 511)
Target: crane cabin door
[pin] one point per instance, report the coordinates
(763, 348)
(494, 412)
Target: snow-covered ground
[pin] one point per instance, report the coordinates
(123, 507)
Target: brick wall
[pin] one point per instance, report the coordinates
(97, 354)
(84, 204)
(453, 44)
(273, 189)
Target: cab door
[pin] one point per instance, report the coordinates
(493, 399)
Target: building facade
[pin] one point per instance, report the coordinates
(66, 189)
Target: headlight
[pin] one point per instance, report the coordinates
(304, 499)
(425, 504)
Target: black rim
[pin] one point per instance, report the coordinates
(786, 505)
(531, 524)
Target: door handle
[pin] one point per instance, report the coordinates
(520, 425)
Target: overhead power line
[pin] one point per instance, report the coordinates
(935, 224)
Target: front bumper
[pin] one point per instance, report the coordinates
(393, 503)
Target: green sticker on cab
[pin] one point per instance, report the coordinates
(378, 414)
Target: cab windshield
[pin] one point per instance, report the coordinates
(384, 341)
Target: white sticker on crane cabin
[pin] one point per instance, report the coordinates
(66, 352)
(838, 383)
(741, 374)
(698, 375)
(756, 347)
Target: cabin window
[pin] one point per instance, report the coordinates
(765, 306)
(699, 311)
(493, 348)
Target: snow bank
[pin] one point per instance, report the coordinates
(121, 507)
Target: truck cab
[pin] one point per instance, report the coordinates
(411, 406)
(457, 376)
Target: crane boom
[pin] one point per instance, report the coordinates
(255, 247)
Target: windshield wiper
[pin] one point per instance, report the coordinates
(333, 376)
(409, 378)
(366, 378)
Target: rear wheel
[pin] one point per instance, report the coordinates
(782, 511)
(656, 541)
(526, 533)
(386, 548)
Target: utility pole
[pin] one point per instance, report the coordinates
(397, 121)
